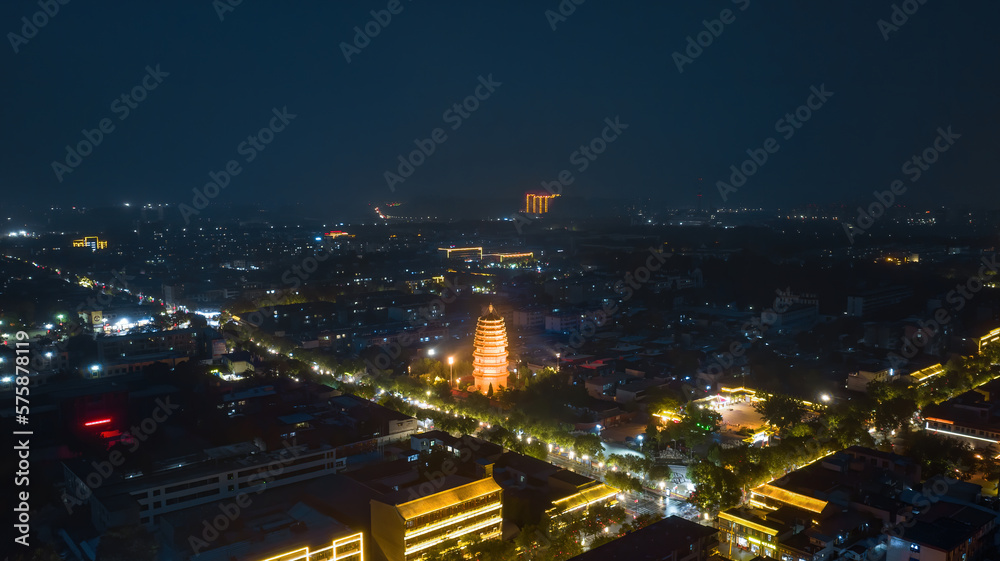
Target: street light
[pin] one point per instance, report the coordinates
(825, 397)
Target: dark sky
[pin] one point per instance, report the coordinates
(607, 59)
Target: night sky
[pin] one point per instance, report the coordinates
(607, 59)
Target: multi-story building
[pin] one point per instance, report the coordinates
(562, 323)
(126, 354)
(869, 301)
(946, 532)
(139, 498)
(537, 203)
(670, 539)
(839, 506)
(529, 319)
(989, 339)
(411, 523)
(462, 253)
(971, 417)
(331, 435)
(91, 242)
(274, 526)
(191, 342)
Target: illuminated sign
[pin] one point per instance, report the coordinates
(98, 422)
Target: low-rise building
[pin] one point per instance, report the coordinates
(670, 539)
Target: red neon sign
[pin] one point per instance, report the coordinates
(100, 422)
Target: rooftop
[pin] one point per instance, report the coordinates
(652, 543)
(458, 491)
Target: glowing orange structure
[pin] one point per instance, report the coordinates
(489, 359)
(537, 203)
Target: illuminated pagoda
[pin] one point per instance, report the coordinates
(489, 360)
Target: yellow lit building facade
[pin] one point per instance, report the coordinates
(537, 203)
(758, 528)
(594, 494)
(989, 339)
(925, 375)
(348, 548)
(463, 253)
(740, 529)
(411, 530)
(92, 242)
(520, 257)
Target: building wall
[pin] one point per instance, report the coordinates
(161, 497)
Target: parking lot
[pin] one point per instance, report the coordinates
(739, 415)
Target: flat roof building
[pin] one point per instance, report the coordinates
(411, 523)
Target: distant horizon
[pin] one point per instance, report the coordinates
(774, 108)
